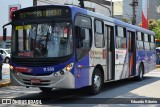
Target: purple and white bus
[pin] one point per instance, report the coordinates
(57, 46)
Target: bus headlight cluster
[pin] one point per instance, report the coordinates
(61, 72)
(55, 74)
(11, 67)
(69, 67)
(64, 70)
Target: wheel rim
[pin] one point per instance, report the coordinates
(97, 81)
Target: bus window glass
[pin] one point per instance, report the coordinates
(99, 27)
(146, 46)
(140, 45)
(146, 37)
(121, 43)
(120, 31)
(152, 39)
(99, 37)
(120, 38)
(139, 36)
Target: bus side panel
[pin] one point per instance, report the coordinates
(151, 60)
(82, 72)
(121, 64)
(140, 57)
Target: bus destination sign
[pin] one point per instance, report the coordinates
(56, 12)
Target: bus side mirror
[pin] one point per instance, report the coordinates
(82, 34)
(4, 34)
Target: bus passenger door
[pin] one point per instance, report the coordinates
(131, 53)
(109, 52)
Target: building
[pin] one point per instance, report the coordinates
(105, 10)
(153, 11)
(118, 9)
(8, 6)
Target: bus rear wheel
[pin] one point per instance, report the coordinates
(96, 82)
(45, 90)
(141, 72)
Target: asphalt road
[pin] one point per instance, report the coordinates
(119, 92)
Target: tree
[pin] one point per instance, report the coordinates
(153, 25)
(125, 20)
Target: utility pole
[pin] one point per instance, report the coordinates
(81, 3)
(112, 9)
(134, 4)
(34, 2)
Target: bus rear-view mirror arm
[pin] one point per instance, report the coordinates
(5, 31)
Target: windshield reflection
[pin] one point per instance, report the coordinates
(43, 40)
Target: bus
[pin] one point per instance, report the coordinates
(158, 51)
(61, 46)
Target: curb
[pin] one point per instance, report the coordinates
(4, 84)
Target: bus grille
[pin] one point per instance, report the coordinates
(46, 74)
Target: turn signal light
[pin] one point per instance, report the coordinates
(69, 67)
(11, 67)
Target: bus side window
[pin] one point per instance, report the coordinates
(121, 37)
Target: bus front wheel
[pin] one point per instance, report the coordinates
(96, 82)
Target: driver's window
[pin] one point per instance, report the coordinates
(83, 34)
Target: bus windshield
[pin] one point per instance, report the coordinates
(42, 40)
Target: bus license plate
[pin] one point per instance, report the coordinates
(35, 81)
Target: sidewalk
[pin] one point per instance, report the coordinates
(5, 76)
(158, 66)
(4, 82)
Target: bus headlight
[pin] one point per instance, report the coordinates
(69, 67)
(11, 67)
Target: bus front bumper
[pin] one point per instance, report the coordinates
(55, 80)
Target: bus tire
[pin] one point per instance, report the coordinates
(140, 73)
(45, 90)
(96, 82)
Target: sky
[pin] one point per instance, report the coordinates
(4, 12)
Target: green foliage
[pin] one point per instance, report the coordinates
(125, 20)
(153, 25)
